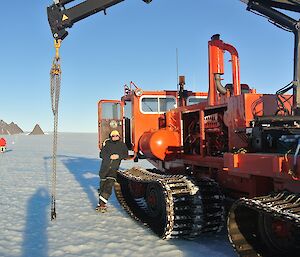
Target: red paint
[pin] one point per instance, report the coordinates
(2, 142)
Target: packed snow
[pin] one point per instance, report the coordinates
(26, 229)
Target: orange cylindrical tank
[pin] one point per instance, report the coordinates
(159, 144)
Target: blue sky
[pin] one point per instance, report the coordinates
(134, 42)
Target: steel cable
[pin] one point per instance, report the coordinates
(55, 83)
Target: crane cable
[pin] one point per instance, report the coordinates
(55, 82)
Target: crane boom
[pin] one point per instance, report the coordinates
(290, 5)
(60, 17)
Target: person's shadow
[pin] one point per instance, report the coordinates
(35, 239)
(86, 172)
(6, 151)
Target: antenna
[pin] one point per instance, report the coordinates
(177, 76)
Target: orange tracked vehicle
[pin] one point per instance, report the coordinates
(241, 139)
(230, 142)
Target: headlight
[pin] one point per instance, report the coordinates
(113, 124)
(138, 92)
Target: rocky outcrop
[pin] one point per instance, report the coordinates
(15, 129)
(4, 129)
(9, 129)
(37, 130)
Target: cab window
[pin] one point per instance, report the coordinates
(150, 104)
(159, 104)
(111, 110)
(166, 104)
(195, 100)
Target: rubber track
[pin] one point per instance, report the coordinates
(244, 235)
(189, 209)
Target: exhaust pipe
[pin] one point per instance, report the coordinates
(222, 90)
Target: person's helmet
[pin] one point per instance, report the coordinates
(115, 133)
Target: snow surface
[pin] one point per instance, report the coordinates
(26, 229)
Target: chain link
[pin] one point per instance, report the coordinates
(55, 83)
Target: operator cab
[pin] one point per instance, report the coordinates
(140, 111)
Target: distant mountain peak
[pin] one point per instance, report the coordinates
(37, 130)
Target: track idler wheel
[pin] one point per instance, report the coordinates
(156, 204)
(254, 232)
(279, 236)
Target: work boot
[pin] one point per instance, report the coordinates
(101, 207)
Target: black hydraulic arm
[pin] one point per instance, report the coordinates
(290, 5)
(269, 9)
(60, 17)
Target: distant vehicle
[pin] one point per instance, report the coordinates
(2, 145)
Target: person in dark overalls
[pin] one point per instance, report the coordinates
(113, 151)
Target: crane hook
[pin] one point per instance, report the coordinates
(55, 70)
(57, 44)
